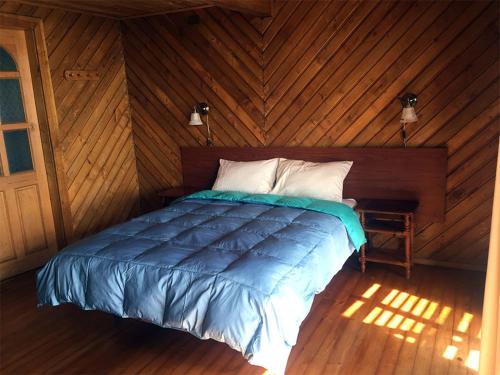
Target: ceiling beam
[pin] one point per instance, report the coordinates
(66, 7)
(178, 10)
(261, 8)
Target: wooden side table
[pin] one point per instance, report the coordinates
(388, 217)
(170, 194)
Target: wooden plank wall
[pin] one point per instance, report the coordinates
(94, 121)
(168, 73)
(327, 73)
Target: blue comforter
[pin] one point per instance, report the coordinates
(237, 272)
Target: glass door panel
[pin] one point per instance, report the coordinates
(7, 63)
(18, 149)
(11, 103)
(16, 137)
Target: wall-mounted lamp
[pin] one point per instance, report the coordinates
(408, 102)
(201, 109)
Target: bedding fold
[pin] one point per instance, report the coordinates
(345, 213)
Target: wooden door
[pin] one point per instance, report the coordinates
(27, 234)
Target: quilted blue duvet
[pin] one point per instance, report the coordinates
(237, 272)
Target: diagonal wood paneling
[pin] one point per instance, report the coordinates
(218, 61)
(328, 74)
(94, 124)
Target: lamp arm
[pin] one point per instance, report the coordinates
(403, 132)
(210, 142)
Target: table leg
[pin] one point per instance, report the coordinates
(362, 258)
(407, 246)
(412, 236)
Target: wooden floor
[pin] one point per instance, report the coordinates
(377, 323)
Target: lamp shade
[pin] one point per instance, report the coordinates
(408, 115)
(195, 119)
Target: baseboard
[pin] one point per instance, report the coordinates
(462, 266)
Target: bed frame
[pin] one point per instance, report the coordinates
(377, 173)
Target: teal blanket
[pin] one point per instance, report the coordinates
(346, 214)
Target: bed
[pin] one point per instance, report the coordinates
(236, 270)
(235, 267)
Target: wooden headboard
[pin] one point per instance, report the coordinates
(381, 173)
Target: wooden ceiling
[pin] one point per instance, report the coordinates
(119, 9)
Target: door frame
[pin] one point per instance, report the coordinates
(48, 121)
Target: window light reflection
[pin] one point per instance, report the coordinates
(450, 352)
(421, 305)
(398, 301)
(395, 321)
(390, 296)
(418, 328)
(464, 322)
(409, 339)
(372, 315)
(409, 303)
(384, 318)
(430, 310)
(443, 315)
(407, 324)
(371, 291)
(352, 309)
(472, 360)
(410, 315)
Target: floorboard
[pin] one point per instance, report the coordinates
(376, 323)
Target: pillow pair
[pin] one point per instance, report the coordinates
(296, 178)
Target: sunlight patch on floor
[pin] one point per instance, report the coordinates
(407, 324)
(398, 301)
(430, 310)
(372, 315)
(410, 315)
(464, 322)
(371, 291)
(418, 328)
(472, 360)
(395, 321)
(383, 318)
(409, 303)
(409, 339)
(353, 308)
(420, 307)
(445, 312)
(389, 297)
(450, 352)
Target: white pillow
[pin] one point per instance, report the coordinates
(298, 178)
(351, 202)
(256, 177)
